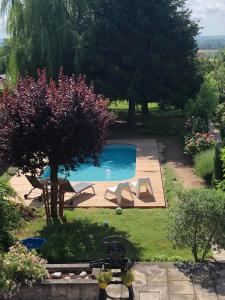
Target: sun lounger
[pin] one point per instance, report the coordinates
(142, 182)
(117, 191)
(34, 181)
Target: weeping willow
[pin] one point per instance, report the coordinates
(46, 34)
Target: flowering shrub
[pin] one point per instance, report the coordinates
(20, 266)
(195, 125)
(198, 143)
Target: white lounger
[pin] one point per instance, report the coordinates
(117, 191)
(146, 182)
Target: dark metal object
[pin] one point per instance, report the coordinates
(116, 251)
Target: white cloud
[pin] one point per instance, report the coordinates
(202, 9)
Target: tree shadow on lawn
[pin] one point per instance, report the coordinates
(77, 241)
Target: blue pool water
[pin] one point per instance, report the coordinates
(118, 162)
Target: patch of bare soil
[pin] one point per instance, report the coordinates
(172, 154)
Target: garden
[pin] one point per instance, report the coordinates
(52, 116)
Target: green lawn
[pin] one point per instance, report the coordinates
(78, 239)
(158, 123)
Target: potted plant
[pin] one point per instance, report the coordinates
(127, 278)
(104, 278)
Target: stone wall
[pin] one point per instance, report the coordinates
(60, 290)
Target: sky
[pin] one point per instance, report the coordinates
(209, 13)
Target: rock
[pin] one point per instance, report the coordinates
(83, 274)
(57, 275)
(67, 277)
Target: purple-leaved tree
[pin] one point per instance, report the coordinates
(46, 123)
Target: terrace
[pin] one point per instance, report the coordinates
(147, 164)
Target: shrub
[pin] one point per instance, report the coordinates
(218, 164)
(20, 266)
(204, 164)
(196, 124)
(9, 216)
(198, 143)
(207, 99)
(198, 221)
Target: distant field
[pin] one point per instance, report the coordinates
(207, 53)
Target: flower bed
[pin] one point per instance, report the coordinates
(198, 143)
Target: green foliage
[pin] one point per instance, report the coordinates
(9, 216)
(198, 143)
(218, 74)
(46, 34)
(132, 54)
(104, 277)
(195, 125)
(218, 164)
(128, 277)
(198, 221)
(204, 104)
(20, 266)
(204, 163)
(223, 158)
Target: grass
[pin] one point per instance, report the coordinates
(204, 163)
(157, 124)
(78, 239)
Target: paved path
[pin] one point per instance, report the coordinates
(167, 282)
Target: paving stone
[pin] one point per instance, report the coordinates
(181, 287)
(150, 296)
(140, 278)
(162, 288)
(175, 274)
(114, 290)
(156, 274)
(202, 293)
(182, 297)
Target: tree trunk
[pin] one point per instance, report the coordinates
(144, 108)
(131, 113)
(195, 254)
(54, 190)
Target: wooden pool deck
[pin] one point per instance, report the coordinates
(147, 165)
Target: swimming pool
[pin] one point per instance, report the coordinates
(118, 162)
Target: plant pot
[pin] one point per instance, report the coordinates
(128, 284)
(103, 286)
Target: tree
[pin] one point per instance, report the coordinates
(204, 104)
(52, 124)
(143, 50)
(46, 34)
(198, 221)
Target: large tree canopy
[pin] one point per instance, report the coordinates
(52, 124)
(46, 34)
(143, 50)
